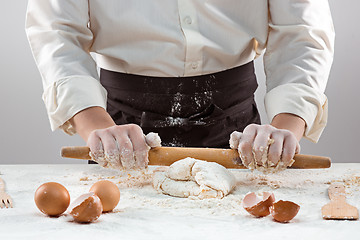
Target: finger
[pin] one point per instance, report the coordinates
(126, 151)
(7, 203)
(235, 137)
(96, 149)
(245, 146)
(290, 145)
(260, 147)
(140, 147)
(2, 204)
(275, 149)
(11, 202)
(111, 149)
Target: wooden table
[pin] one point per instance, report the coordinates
(145, 214)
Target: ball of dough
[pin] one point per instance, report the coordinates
(153, 140)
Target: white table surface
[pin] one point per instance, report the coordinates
(145, 214)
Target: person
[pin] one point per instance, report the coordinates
(183, 69)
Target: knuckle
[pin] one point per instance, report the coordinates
(252, 126)
(119, 131)
(133, 127)
(101, 132)
(287, 134)
(92, 134)
(95, 133)
(268, 128)
(277, 132)
(107, 131)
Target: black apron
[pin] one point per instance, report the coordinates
(199, 111)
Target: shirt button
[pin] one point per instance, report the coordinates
(188, 20)
(194, 65)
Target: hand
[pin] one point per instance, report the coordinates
(119, 146)
(265, 146)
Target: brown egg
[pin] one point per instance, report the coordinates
(108, 193)
(52, 198)
(257, 207)
(284, 211)
(87, 208)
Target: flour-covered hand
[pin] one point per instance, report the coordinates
(264, 146)
(120, 146)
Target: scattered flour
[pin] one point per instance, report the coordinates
(143, 212)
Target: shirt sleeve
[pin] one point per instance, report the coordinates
(297, 61)
(60, 40)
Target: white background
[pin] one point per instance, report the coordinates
(25, 135)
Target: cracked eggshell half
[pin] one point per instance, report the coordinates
(284, 211)
(256, 206)
(86, 209)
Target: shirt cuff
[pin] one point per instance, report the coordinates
(66, 97)
(303, 101)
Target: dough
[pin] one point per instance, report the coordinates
(153, 140)
(190, 177)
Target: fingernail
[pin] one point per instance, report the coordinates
(271, 163)
(291, 162)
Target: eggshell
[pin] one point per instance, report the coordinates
(257, 207)
(87, 208)
(284, 211)
(52, 198)
(108, 193)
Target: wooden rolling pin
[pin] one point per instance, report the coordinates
(229, 158)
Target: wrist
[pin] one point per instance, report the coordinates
(91, 119)
(291, 122)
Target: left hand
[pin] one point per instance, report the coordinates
(265, 146)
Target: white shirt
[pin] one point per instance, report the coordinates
(168, 38)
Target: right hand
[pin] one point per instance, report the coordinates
(119, 146)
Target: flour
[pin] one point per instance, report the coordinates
(143, 213)
(176, 104)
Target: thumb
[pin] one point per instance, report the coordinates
(234, 141)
